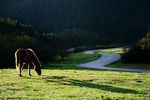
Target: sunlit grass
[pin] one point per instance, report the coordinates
(117, 50)
(61, 81)
(71, 60)
(75, 84)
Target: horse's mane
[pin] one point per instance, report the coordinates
(35, 56)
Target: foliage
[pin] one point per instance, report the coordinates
(79, 37)
(112, 20)
(140, 51)
(14, 35)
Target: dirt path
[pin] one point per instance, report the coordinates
(104, 60)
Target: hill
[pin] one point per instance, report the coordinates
(14, 35)
(119, 21)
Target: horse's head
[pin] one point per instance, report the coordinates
(38, 69)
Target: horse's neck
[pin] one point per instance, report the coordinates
(36, 61)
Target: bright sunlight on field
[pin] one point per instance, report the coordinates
(115, 50)
(75, 84)
(66, 82)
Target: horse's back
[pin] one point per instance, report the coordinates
(24, 55)
(20, 53)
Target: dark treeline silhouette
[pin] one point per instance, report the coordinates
(14, 35)
(140, 51)
(115, 21)
(72, 23)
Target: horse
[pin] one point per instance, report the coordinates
(27, 57)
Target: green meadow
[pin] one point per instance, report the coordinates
(61, 81)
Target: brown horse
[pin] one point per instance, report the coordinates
(27, 57)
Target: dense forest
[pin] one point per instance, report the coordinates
(115, 21)
(14, 35)
(52, 26)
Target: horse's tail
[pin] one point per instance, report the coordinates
(16, 60)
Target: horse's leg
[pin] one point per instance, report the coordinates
(20, 68)
(29, 66)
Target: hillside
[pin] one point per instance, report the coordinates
(14, 35)
(113, 20)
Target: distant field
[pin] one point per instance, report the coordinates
(119, 64)
(117, 50)
(61, 81)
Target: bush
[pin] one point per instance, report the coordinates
(140, 51)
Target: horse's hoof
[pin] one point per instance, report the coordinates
(30, 75)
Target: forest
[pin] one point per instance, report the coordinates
(14, 35)
(116, 21)
(55, 25)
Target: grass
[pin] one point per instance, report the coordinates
(61, 81)
(117, 50)
(119, 64)
(70, 60)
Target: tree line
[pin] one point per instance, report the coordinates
(114, 20)
(14, 35)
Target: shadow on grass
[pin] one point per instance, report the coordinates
(87, 83)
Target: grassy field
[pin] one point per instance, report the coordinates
(61, 81)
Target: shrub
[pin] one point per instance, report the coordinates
(140, 51)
